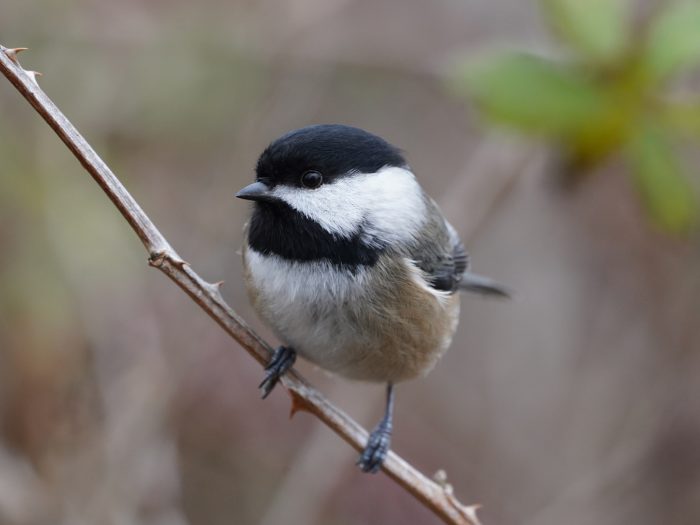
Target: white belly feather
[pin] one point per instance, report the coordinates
(314, 319)
(378, 331)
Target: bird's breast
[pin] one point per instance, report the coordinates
(377, 323)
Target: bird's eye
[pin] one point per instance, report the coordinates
(311, 179)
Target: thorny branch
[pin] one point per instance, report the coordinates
(436, 495)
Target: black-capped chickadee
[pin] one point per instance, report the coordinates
(351, 263)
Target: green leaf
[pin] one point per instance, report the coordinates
(682, 117)
(674, 39)
(657, 173)
(532, 93)
(596, 28)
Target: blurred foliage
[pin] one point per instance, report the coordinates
(611, 95)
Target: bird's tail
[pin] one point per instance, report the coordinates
(472, 282)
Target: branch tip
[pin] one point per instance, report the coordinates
(440, 477)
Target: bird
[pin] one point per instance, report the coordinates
(351, 264)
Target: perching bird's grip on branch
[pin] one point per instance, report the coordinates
(438, 497)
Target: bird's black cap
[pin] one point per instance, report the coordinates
(334, 150)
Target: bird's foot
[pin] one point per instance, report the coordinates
(376, 449)
(282, 360)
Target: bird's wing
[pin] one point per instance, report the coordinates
(439, 253)
(445, 262)
(444, 271)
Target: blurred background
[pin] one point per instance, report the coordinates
(570, 172)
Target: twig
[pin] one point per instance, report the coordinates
(437, 497)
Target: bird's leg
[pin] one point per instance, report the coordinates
(282, 360)
(379, 440)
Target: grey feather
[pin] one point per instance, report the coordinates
(473, 282)
(440, 254)
(437, 251)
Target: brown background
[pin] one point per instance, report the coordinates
(120, 402)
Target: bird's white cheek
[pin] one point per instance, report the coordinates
(335, 207)
(396, 207)
(387, 204)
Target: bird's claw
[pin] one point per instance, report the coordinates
(282, 360)
(376, 450)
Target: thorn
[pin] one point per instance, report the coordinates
(471, 512)
(298, 404)
(215, 288)
(33, 75)
(13, 52)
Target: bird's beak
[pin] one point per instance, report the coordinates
(258, 191)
